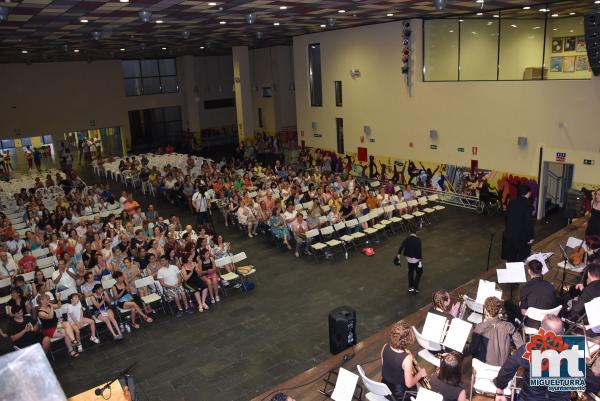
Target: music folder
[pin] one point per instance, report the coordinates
(457, 335)
(514, 273)
(592, 310)
(541, 257)
(485, 290)
(573, 242)
(434, 326)
(344, 386)
(428, 395)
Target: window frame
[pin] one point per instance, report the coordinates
(158, 77)
(339, 93)
(315, 91)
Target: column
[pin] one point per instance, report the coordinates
(243, 92)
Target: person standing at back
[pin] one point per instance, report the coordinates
(412, 251)
(518, 233)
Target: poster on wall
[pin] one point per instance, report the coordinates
(557, 45)
(556, 64)
(582, 63)
(580, 44)
(569, 44)
(569, 64)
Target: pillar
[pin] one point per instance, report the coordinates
(243, 92)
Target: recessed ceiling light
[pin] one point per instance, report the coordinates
(490, 23)
(571, 13)
(555, 15)
(526, 8)
(283, 7)
(597, 2)
(496, 15)
(341, 11)
(24, 51)
(159, 21)
(164, 48)
(544, 10)
(513, 25)
(122, 49)
(390, 14)
(555, 29)
(83, 20)
(479, 13)
(451, 31)
(474, 33)
(536, 27)
(76, 51)
(201, 47)
(212, 3)
(460, 20)
(479, 1)
(276, 23)
(571, 30)
(323, 26)
(222, 22)
(123, 1)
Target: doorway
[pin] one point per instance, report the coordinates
(557, 179)
(339, 127)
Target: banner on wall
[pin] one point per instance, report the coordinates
(362, 154)
(561, 157)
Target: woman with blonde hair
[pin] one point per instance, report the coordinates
(397, 361)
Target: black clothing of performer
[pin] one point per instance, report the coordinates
(537, 293)
(591, 291)
(593, 227)
(528, 393)
(450, 392)
(412, 251)
(519, 228)
(392, 373)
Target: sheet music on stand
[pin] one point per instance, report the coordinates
(485, 290)
(457, 335)
(344, 385)
(514, 273)
(434, 326)
(592, 310)
(573, 242)
(542, 258)
(428, 395)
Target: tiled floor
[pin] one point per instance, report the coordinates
(249, 342)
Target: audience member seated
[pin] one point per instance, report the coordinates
(101, 310)
(77, 320)
(50, 324)
(25, 331)
(170, 279)
(125, 300)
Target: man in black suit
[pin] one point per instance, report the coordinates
(590, 291)
(536, 293)
(411, 249)
(518, 233)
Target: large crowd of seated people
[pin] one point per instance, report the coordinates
(77, 264)
(268, 199)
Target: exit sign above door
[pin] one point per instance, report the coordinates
(588, 162)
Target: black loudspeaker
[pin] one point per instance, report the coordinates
(342, 329)
(574, 206)
(592, 40)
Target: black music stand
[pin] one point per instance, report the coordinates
(563, 252)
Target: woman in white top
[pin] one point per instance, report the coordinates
(78, 321)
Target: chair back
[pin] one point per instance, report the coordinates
(375, 184)
(425, 343)
(312, 233)
(372, 386)
(28, 276)
(433, 197)
(308, 205)
(63, 296)
(322, 219)
(388, 209)
(144, 282)
(326, 208)
(327, 230)
(483, 370)
(539, 314)
(109, 283)
(223, 261)
(417, 193)
(364, 219)
(339, 226)
(238, 257)
(422, 200)
(401, 205)
(352, 223)
(412, 203)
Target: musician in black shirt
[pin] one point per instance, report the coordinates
(447, 380)
(536, 293)
(518, 233)
(591, 291)
(412, 251)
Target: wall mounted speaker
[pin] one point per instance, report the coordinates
(367, 130)
(522, 141)
(314, 125)
(433, 134)
(592, 40)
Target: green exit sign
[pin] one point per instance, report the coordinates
(433, 147)
(588, 162)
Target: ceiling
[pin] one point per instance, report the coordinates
(52, 30)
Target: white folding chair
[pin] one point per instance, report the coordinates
(40, 252)
(376, 391)
(28, 277)
(429, 347)
(538, 315)
(482, 378)
(46, 262)
(230, 277)
(152, 296)
(63, 296)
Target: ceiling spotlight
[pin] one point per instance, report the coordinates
(201, 47)
(440, 4)
(283, 7)
(222, 22)
(323, 26)
(571, 13)
(597, 2)
(341, 11)
(123, 1)
(389, 15)
(83, 21)
(555, 15)
(122, 49)
(479, 13)
(76, 51)
(259, 35)
(24, 51)
(513, 25)
(526, 8)
(145, 15)
(212, 3)
(544, 10)
(250, 18)
(159, 21)
(276, 23)
(185, 34)
(331, 22)
(164, 48)
(496, 15)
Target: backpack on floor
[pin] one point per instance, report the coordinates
(368, 251)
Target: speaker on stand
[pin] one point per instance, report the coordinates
(342, 329)
(592, 40)
(574, 205)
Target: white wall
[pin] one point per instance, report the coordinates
(214, 80)
(489, 115)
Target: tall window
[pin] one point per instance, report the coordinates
(339, 126)
(338, 93)
(150, 76)
(314, 74)
(151, 128)
(260, 118)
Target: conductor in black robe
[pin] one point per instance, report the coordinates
(518, 232)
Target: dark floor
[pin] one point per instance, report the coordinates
(250, 342)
